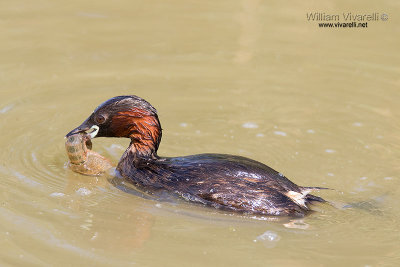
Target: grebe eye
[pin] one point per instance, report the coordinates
(100, 119)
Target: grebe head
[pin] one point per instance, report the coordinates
(125, 116)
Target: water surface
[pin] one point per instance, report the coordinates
(249, 77)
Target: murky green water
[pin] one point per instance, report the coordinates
(250, 77)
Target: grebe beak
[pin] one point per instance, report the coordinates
(84, 127)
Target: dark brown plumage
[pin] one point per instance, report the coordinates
(222, 181)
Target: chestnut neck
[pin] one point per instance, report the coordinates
(145, 138)
(144, 130)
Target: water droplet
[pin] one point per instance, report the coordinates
(83, 191)
(330, 174)
(94, 236)
(183, 124)
(6, 108)
(330, 151)
(250, 125)
(280, 133)
(57, 194)
(260, 135)
(357, 124)
(311, 131)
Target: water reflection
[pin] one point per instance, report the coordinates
(134, 226)
(327, 89)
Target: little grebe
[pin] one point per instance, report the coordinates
(222, 181)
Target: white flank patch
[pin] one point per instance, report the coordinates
(299, 198)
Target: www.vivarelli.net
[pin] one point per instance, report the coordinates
(345, 19)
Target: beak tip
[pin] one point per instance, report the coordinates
(75, 131)
(69, 134)
(86, 125)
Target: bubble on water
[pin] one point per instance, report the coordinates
(388, 178)
(280, 133)
(94, 236)
(158, 205)
(34, 158)
(83, 191)
(57, 194)
(183, 124)
(357, 124)
(330, 150)
(310, 131)
(6, 108)
(269, 239)
(260, 135)
(363, 178)
(250, 125)
(233, 229)
(330, 174)
(359, 189)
